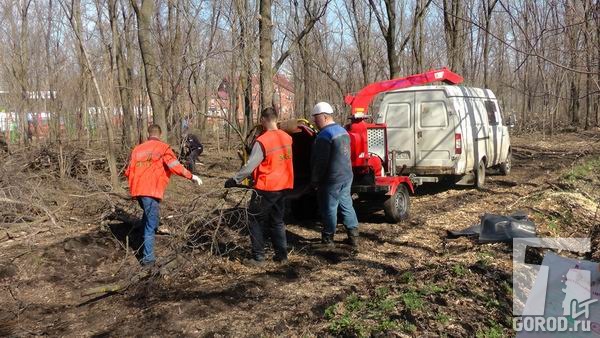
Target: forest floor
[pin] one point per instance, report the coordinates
(67, 267)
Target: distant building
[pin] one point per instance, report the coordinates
(220, 104)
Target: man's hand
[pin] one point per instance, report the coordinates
(197, 179)
(230, 183)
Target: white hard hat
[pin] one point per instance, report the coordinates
(322, 108)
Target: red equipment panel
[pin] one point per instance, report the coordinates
(360, 156)
(393, 182)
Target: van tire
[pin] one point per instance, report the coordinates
(505, 167)
(480, 175)
(396, 207)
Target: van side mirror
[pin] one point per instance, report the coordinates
(510, 120)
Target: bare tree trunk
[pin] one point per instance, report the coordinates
(265, 54)
(453, 28)
(572, 43)
(53, 117)
(589, 52)
(307, 83)
(110, 155)
(144, 15)
(20, 71)
(128, 136)
(417, 41)
(488, 10)
(246, 62)
(83, 76)
(596, 15)
(362, 35)
(389, 34)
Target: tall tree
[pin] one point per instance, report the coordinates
(123, 77)
(144, 12)
(488, 9)
(454, 34)
(265, 28)
(104, 110)
(390, 27)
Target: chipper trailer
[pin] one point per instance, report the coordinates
(375, 174)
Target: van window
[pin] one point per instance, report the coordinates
(490, 107)
(398, 115)
(433, 114)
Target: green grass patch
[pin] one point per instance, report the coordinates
(381, 311)
(363, 316)
(430, 289)
(493, 331)
(412, 300)
(442, 318)
(407, 278)
(485, 258)
(459, 270)
(583, 170)
(407, 327)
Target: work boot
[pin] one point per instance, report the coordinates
(280, 259)
(253, 262)
(327, 240)
(353, 238)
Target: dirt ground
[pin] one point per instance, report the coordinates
(62, 237)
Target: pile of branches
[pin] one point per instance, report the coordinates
(214, 222)
(57, 159)
(49, 182)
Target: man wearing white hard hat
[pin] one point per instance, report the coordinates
(331, 172)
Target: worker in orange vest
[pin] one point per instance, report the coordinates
(149, 170)
(270, 164)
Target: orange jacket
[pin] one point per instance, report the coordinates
(276, 171)
(150, 168)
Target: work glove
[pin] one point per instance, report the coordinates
(230, 183)
(197, 179)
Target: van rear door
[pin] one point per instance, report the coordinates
(398, 114)
(434, 131)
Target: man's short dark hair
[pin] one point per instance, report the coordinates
(269, 114)
(154, 130)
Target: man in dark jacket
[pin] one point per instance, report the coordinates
(192, 149)
(3, 144)
(331, 172)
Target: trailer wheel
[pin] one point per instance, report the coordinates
(480, 175)
(506, 166)
(396, 207)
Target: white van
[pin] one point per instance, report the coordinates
(444, 132)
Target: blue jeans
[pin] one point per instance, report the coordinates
(332, 196)
(150, 221)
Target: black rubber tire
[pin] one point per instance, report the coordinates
(506, 166)
(397, 206)
(480, 175)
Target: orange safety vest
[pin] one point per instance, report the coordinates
(276, 171)
(150, 168)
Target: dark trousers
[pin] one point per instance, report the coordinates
(266, 217)
(191, 160)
